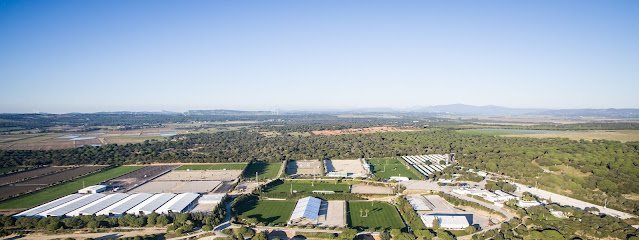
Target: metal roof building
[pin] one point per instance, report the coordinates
(149, 205)
(96, 206)
(448, 221)
(179, 203)
(72, 205)
(93, 189)
(44, 207)
(306, 211)
(124, 205)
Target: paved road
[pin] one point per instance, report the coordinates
(564, 200)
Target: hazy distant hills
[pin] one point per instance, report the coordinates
(491, 110)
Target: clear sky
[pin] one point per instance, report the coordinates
(84, 56)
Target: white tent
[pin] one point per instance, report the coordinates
(306, 211)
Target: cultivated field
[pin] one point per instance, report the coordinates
(266, 211)
(213, 166)
(54, 192)
(304, 167)
(380, 215)
(360, 130)
(389, 167)
(265, 170)
(44, 181)
(614, 135)
(21, 176)
(71, 139)
(140, 176)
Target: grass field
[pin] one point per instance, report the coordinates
(54, 192)
(266, 211)
(381, 215)
(307, 187)
(213, 166)
(264, 170)
(394, 167)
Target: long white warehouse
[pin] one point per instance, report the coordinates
(151, 204)
(44, 207)
(179, 203)
(72, 205)
(94, 207)
(121, 207)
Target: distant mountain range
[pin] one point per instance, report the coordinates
(462, 109)
(451, 109)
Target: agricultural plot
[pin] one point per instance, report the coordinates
(51, 193)
(390, 167)
(364, 215)
(21, 176)
(285, 187)
(139, 177)
(41, 182)
(264, 170)
(7, 170)
(266, 211)
(213, 166)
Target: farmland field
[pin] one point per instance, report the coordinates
(613, 135)
(44, 181)
(213, 166)
(51, 193)
(381, 215)
(266, 211)
(394, 167)
(264, 170)
(140, 176)
(307, 187)
(21, 176)
(6, 170)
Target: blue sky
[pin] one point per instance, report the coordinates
(64, 56)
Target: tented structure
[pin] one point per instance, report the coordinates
(306, 211)
(448, 221)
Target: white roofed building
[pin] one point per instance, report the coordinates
(447, 221)
(93, 189)
(72, 205)
(44, 207)
(96, 206)
(151, 204)
(179, 203)
(306, 211)
(124, 205)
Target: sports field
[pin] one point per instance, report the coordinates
(380, 215)
(265, 170)
(266, 211)
(389, 167)
(51, 193)
(307, 187)
(213, 166)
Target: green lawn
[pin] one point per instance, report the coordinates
(54, 192)
(381, 215)
(266, 211)
(264, 170)
(213, 166)
(394, 167)
(307, 187)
